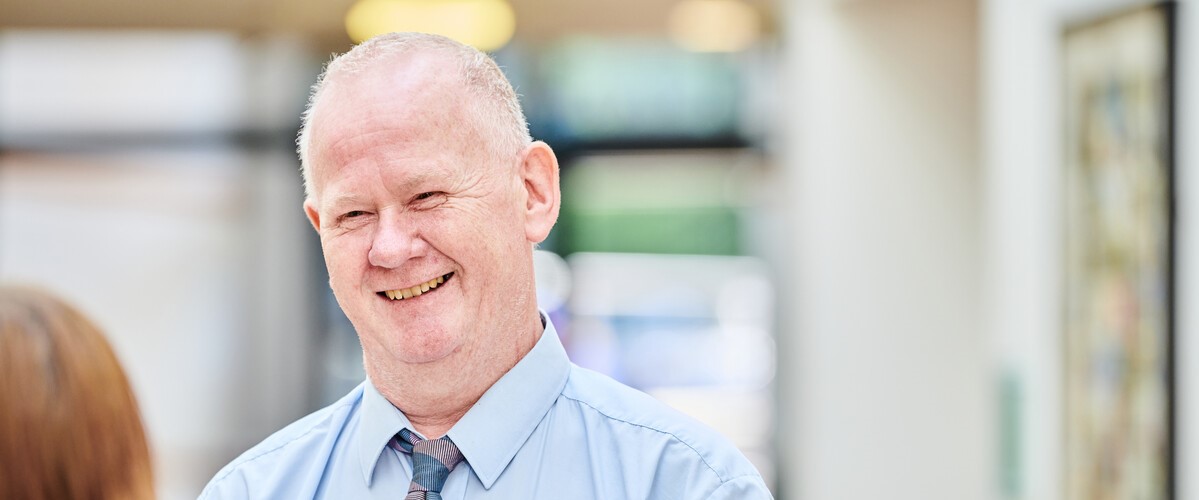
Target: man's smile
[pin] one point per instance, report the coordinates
(416, 290)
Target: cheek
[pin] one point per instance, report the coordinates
(343, 255)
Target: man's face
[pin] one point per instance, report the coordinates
(407, 198)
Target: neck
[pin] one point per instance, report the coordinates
(434, 396)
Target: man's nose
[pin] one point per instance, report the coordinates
(394, 243)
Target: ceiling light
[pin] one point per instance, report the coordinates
(714, 25)
(484, 24)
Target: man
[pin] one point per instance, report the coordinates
(429, 195)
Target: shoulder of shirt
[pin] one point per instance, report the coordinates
(330, 418)
(621, 403)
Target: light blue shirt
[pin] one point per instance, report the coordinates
(546, 430)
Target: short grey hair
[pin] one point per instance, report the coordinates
(499, 111)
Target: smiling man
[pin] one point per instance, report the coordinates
(429, 195)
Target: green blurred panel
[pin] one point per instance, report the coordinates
(695, 230)
(658, 202)
(661, 183)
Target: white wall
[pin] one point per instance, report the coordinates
(1187, 360)
(1021, 143)
(885, 379)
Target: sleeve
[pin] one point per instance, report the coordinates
(750, 487)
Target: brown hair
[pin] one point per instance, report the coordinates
(69, 424)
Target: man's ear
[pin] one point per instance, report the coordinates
(313, 215)
(539, 171)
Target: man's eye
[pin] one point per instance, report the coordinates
(429, 199)
(353, 213)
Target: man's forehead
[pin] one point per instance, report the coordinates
(408, 89)
(403, 73)
(402, 101)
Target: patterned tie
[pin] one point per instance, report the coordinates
(432, 461)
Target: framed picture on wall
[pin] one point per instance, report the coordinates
(1119, 257)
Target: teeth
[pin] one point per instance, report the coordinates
(407, 293)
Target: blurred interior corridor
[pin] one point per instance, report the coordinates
(902, 249)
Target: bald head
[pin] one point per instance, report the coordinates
(495, 109)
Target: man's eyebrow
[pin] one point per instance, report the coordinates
(343, 199)
(417, 179)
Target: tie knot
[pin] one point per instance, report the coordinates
(432, 461)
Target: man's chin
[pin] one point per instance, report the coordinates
(426, 350)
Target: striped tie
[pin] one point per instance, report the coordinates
(432, 461)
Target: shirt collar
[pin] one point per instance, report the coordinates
(494, 429)
(380, 422)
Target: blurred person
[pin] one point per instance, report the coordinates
(69, 424)
(429, 196)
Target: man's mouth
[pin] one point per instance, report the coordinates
(416, 290)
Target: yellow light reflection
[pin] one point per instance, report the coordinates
(714, 25)
(484, 24)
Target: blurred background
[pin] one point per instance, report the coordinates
(904, 249)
